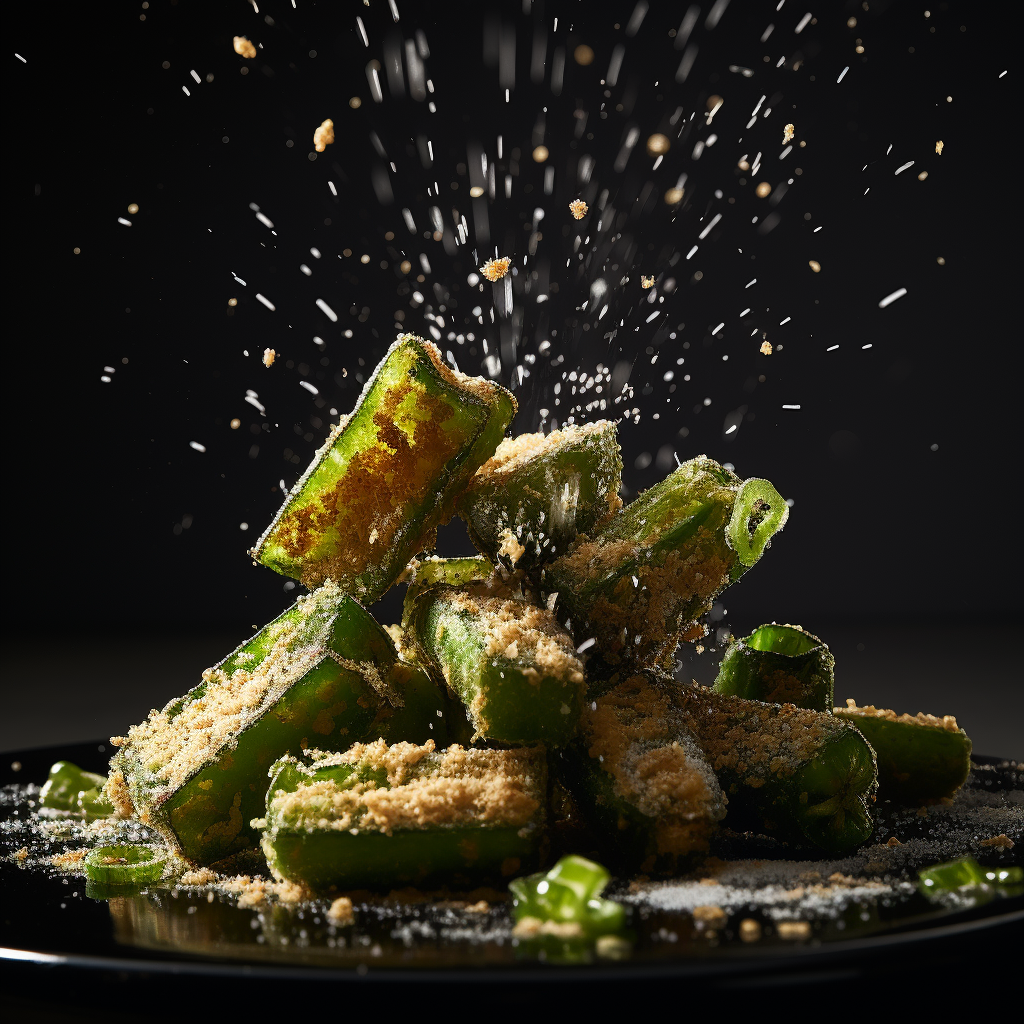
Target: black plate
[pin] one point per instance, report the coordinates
(53, 928)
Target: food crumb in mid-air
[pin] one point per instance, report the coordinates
(938, 147)
(750, 929)
(658, 144)
(762, 190)
(341, 911)
(476, 191)
(787, 133)
(794, 929)
(578, 209)
(244, 48)
(269, 355)
(766, 347)
(540, 154)
(323, 136)
(814, 265)
(496, 269)
(673, 196)
(646, 282)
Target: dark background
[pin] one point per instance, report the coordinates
(127, 565)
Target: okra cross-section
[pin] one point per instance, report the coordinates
(379, 816)
(638, 587)
(509, 661)
(388, 474)
(197, 770)
(537, 493)
(638, 776)
(779, 665)
(920, 757)
(799, 774)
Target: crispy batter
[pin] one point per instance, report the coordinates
(496, 269)
(243, 47)
(946, 722)
(323, 136)
(578, 209)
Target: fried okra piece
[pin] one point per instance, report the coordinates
(638, 587)
(423, 713)
(69, 788)
(388, 474)
(920, 757)
(639, 778)
(509, 661)
(196, 771)
(379, 816)
(779, 665)
(799, 774)
(538, 492)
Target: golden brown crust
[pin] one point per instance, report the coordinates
(946, 722)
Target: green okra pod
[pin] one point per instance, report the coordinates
(779, 665)
(538, 493)
(423, 713)
(799, 774)
(920, 757)
(509, 661)
(638, 587)
(318, 675)
(388, 474)
(639, 777)
(380, 816)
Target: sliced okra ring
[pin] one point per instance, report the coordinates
(388, 474)
(638, 776)
(568, 894)
(537, 493)
(317, 676)
(920, 757)
(779, 665)
(381, 817)
(124, 865)
(508, 661)
(639, 586)
(799, 774)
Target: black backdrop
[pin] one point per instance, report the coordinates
(114, 518)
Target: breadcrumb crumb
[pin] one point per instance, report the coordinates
(341, 912)
(1000, 842)
(578, 209)
(244, 48)
(269, 355)
(787, 133)
(323, 136)
(496, 269)
(646, 282)
(766, 348)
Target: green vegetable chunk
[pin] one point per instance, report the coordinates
(568, 894)
(537, 493)
(388, 474)
(507, 660)
(639, 778)
(196, 771)
(638, 587)
(966, 876)
(920, 757)
(433, 572)
(779, 665)
(379, 816)
(799, 774)
(68, 788)
(423, 714)
(124, 865)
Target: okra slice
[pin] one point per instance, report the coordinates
(379, 816)
(433, 571)
(779, 665)
(638, 776)
(920, 757)
(197, 770)
(388, 474)
(639, 586)
(568, 894)
(799, 774)
(538, 492)
(508, 660)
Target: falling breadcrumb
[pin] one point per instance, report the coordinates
(496, 269)
(269, 355)
(766, 348)
(938, 147)
(787, 133)
(646, 282)
(340, 911)
(1001, 842)
(762, 190)
(814, 265)
(244, 48)
(578, 209)
(323, 136)
(794, 929)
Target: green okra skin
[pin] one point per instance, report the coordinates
(423, 712)
(920, 757)
(317, 676)
(537, 494)
(78, 792)
(639, 586)
(380, 817)
(570, 893)
(801, 775)
(508, 661)
(388, 474)
(434, 572)
(779, 665)
(639, 778)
